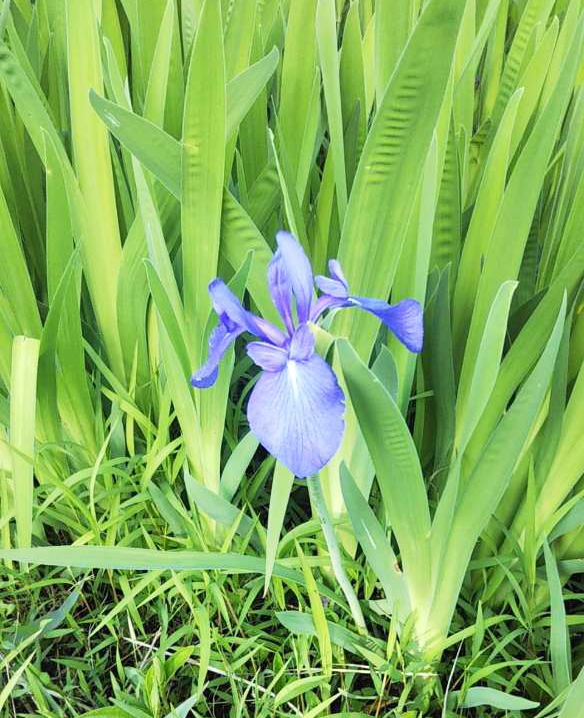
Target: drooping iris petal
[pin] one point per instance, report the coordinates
(227, 305)
(280, 289)
(302, 344)
(405, 319)
(298, 271)
(219, 342)
(297, 414)
(233, 315)
(267, 356)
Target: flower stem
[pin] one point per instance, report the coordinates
(317, 498)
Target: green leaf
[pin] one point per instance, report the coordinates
(388, 175)
(202, 172)
(281, 486)
(397, 467)
(477, 380)
(326, 35)
(25, 355)
(478, 696)
(486, 485)
(572, 708)
(376, 546)
(559, 641)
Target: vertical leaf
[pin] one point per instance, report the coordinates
(102, 248)
(25, 355)
(326, 33)
(203, 160)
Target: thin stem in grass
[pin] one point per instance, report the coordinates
(317, 498)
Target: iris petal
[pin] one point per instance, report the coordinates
(405, 319)
(219, 342)
(332, 287)
(280, 290)
(267, 356)
(326, 301)
(297, 414)
(299, 273)
(336, 272)
(234, 315)
(302, 344)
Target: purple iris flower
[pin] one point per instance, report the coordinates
(296, 407)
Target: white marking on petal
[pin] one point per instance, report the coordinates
(291, 366)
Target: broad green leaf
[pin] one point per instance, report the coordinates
(573, 705)
(486, 485)
(532, 81)
(204, 626)
(376, 547)
(326, 35)
(318, 616)
(479, 696)
(397, 466)
(25, 355)
(281, 486)
(392, 28)
(559, 641)
(14, 275)
(94, 171)
(243, 89)
(519, 202)
(475, 389)
(298, 71)
(202, 169)
(482, 222)
(156, 92)
(158, 151)
(384, 189)
(237, 464)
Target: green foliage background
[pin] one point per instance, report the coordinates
(156, 562)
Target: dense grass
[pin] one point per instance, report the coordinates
(157, 561)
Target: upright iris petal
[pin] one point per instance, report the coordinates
(280, 289)
(299, 273)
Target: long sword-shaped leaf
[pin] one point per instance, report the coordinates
(384, 189)
(376, 547)
(521, 196)
(25, 356)
(94, 171)
(485, 487)
(397, 466)
(158, 151)
(202, 170)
